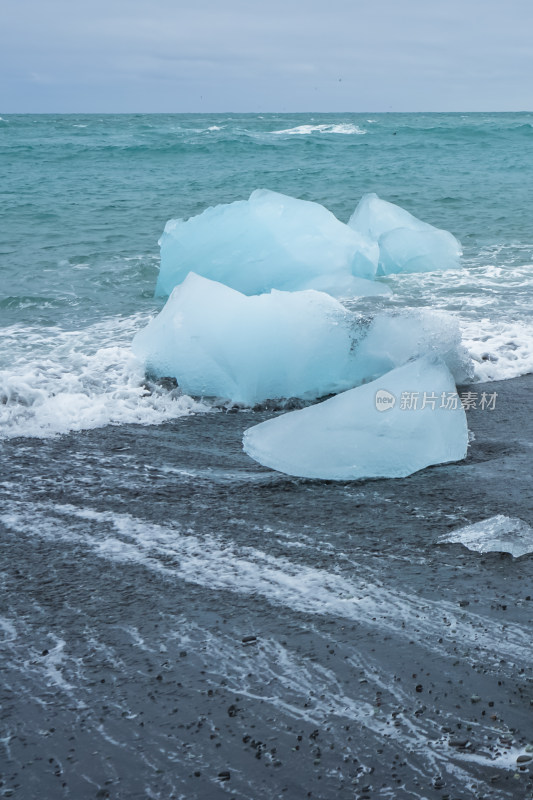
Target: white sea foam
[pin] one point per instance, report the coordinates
(59, 381)
(221, 565)
(293, 683)
(8, 629)
(500, 350)
(492, 304)
(307, 130)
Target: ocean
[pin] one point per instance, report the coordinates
(84, 200)
(179, 622)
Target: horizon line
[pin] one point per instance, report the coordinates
(253, 113)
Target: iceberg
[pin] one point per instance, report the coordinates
(499, 534)
(406, 244)
(270, 241)
(216, 341)
(389, 428)
(219, 342)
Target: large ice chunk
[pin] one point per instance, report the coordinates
(270, 241)
(370, 431)
(499, 534)
(406, 244)
(218, 342)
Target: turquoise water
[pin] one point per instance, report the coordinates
(84, 200)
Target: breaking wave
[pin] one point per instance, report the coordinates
(307, 130)
(73, 381)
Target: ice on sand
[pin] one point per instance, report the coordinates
(499, 534)
(370, 431)
(218, 342)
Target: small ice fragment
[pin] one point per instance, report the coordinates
(499, 534)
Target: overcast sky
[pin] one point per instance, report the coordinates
(275, 55)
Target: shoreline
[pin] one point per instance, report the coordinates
(179, 621)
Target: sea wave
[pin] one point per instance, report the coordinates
(308, 130)
(491, 303)
(63, 381)
(58, 381)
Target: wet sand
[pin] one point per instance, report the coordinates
(178, 622)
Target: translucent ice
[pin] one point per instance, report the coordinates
(368, 432)
(270, 241)
(218, 342)
(391, 339)
(498, 534)
(406, 244)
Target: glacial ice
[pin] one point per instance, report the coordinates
(219, 342)
(367, 432)
(270, 241)
(499, 534)
(391, 339)
(406, 244)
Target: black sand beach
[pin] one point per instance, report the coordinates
(178, 622)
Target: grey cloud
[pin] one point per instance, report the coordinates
(172, 56)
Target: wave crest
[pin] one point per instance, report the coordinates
(308, 130)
